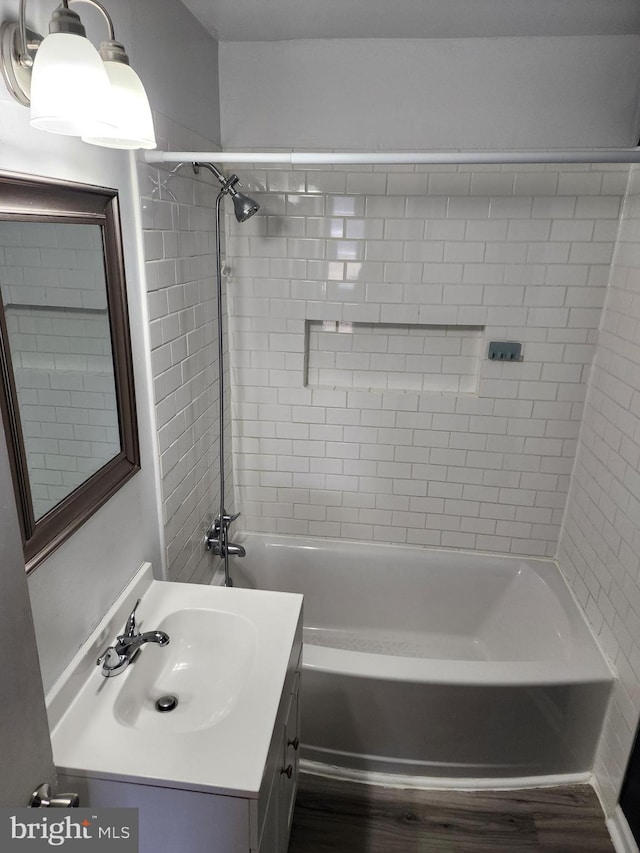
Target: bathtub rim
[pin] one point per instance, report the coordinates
(592, 664)
(333, 543)
(352, 664)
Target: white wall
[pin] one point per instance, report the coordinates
(438, 93)
(180, 63)
(598, 549)
(75, 586)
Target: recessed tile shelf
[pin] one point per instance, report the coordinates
(399, 357)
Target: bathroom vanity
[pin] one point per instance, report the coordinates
(218, 774)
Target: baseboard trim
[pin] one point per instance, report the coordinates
(621, 835)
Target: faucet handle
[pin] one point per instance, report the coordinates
(112, 662)
(229, 519)
(109, 658)
(130, 627)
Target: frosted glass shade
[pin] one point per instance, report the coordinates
(134, 123)
(70, 90)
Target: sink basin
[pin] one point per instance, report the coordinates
(229, 654)
(205, 666)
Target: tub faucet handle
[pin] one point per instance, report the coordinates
(229, 519)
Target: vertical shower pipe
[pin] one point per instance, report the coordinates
(217, 537)
(223, 512)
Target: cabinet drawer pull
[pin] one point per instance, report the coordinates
(288, 771)
(295, 743)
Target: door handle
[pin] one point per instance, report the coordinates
(42, 798)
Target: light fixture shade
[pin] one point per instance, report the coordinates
(134, 123)
(70, 89)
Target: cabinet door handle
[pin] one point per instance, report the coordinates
(288, 771)
(295, 743)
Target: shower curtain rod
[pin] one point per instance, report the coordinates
(309, 158)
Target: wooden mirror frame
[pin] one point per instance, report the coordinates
(28, 199)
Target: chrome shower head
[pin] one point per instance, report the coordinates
(243, 206)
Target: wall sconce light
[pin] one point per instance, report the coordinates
(73, 89)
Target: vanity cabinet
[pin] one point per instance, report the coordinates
(279, 790)
(193, 791)
(201, 822)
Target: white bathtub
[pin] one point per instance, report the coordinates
(434, 663)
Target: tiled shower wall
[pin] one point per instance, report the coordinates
(399, 256)
(178, 213)
(600, 542)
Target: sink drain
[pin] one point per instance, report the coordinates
(166, 703)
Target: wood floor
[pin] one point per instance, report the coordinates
(346, 817)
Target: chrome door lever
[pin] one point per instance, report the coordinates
(42, 798)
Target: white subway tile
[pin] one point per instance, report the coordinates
(479, 266)
(510, 208)
(468, 208)
(449, 184)
(464, 252)
(366, 183)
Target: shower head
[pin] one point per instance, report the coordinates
(243, 206)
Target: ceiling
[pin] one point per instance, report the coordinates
(274, 20)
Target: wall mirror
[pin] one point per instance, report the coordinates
(66, 394)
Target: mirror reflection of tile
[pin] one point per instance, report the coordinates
(54, 294)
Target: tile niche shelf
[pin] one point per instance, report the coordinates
(398, 357)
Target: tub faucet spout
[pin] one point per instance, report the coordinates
(234, 550)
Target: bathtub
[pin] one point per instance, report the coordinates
(440, 664)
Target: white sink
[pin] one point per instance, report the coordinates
(205, 667)
(226, 662)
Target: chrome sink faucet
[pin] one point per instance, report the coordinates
(117, 658)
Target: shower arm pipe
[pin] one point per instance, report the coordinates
(362, 158)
